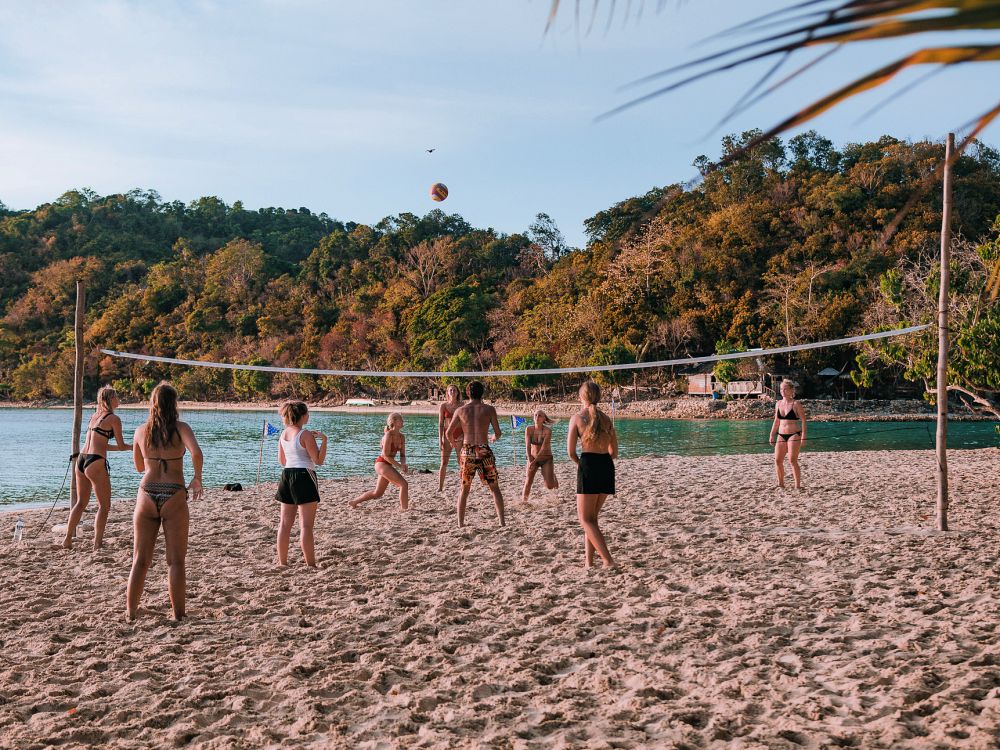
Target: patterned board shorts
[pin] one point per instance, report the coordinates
(478, 459)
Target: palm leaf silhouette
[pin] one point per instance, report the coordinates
(828, 26)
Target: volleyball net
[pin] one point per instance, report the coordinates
(750, 353)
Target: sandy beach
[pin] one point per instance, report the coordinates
(740, 617)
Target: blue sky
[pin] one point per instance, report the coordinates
(331, 105)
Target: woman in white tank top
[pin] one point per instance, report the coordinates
(298, 490)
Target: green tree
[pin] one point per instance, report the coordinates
(909, 295)
(252, 384)
(448, 321)
(528, 360)
(726, 370)
(460, 362)
(615, 353)
(29, 381)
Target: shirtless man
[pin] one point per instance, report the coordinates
(471, 424)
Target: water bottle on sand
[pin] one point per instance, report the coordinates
(18, 529)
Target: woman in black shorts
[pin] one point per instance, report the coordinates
(595, 475)
(298, 490)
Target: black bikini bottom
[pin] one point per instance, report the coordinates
(86, 459)
(787, 437)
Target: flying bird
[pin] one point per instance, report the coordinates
(431, 150)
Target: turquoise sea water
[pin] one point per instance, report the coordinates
(33, 454)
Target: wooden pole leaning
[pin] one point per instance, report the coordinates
(81, 294)
(941, 509)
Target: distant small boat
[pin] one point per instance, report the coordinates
(359, 402)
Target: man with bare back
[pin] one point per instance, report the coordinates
(471, 424)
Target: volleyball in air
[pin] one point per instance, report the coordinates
(439, 191)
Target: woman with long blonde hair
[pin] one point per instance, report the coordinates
(445, 413)
(158, 452)
(91, 469)
(595, 476)
(388, 468)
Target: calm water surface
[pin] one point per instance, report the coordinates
(32, 463)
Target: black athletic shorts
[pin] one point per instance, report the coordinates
(298, 487)
(595, 474)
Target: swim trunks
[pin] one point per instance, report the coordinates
(478, 459)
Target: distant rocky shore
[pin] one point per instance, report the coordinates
(684, 407)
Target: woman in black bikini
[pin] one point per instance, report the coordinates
(788, 433)
(595, 476)
(538, 452)
(445, 413)
(91, 467)
(162, 499)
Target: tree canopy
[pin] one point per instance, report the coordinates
(784, 245)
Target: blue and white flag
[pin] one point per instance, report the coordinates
(270, 429)
(516, 422)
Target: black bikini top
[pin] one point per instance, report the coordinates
(107, 434)
(788, 414)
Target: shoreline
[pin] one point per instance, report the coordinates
(680, 408)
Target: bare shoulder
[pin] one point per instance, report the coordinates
(491, 410)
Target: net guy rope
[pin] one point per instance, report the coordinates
(509, 373)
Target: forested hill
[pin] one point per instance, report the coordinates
(783, 246)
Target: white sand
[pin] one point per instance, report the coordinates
(740, 618)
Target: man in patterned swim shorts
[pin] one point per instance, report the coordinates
(472, 422)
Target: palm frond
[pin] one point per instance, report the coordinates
(833, 23)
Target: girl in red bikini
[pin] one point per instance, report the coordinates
(445, 413)
(387, 468)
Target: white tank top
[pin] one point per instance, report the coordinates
(296, 456)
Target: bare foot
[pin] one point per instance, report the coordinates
(353, 503)
(68, 543)
(130, 615)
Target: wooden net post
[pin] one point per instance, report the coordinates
(77, 382)
(941, 510)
